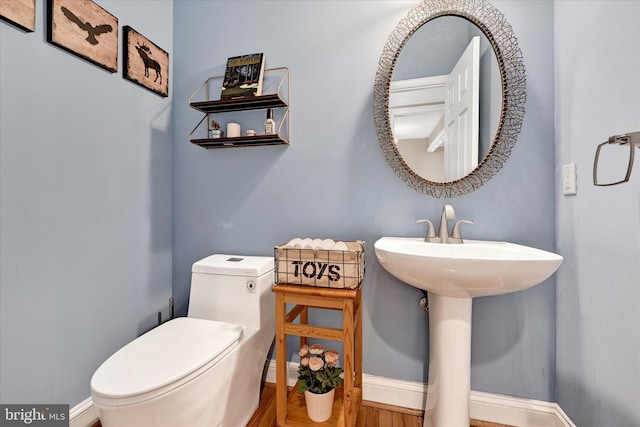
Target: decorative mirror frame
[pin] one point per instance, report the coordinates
(512, 72)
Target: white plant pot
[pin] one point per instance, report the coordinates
(319, 406)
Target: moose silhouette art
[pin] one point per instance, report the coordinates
(144, 51)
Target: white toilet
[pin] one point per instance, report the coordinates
(203, 370)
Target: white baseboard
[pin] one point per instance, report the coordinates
(84, 414)
(484, 406)
(408, 394)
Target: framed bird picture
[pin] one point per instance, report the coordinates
(145, 63)
(84, 29)
(21, 13)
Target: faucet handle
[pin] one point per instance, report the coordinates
(455, 233)
(431, 232)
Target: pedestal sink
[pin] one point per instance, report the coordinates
(454, 274)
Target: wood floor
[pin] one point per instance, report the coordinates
(371, 414)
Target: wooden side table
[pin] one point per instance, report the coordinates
(290, 410)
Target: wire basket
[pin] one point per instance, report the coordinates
(320, 267)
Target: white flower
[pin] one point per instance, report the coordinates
(316, 349)
(315, 363)
(331, 357)
(304, 350)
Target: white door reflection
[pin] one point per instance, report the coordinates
(435, 120)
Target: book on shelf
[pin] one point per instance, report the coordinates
(243, 76)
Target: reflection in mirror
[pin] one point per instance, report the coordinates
(443, 138)
(420, 131)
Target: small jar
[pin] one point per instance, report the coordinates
(251, 132)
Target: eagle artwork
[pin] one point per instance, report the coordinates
(85, 29)
(91, 30)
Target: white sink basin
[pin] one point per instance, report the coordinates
(453, 274)
(474, 268)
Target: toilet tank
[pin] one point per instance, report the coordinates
(234, 289)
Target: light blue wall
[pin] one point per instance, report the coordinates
(85, 208)
(597, 78)
(333, 180)
(86, 195)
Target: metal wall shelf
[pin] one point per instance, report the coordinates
(208, 107)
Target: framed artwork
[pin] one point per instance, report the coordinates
(145, 63)
(21, 13)
(84, 29)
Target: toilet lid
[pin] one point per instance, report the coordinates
(163, 356)
(234, 265)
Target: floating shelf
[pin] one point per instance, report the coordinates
(240, 104)
(242, 141)
(208, 107)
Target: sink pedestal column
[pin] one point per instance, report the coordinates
(449, 362)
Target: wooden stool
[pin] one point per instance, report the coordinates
(291, 411)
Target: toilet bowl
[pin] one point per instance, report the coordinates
(201, 370)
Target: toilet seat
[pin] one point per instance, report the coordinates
(162, 359)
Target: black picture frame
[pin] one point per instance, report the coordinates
(84, 29)
(145, 63)
(20, 13)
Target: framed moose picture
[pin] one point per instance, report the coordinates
(84, 29)
(21, 13)
(145, 63)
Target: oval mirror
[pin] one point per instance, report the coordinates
(449, 96)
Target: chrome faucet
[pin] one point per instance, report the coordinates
(448, 214)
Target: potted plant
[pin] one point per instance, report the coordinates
(215, 129)
(318, 376)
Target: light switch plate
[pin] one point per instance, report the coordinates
(569, 180)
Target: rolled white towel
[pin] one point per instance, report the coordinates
(294, 243)
(340, 246)
(307, 243)
(327, 244)
(316, 243)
